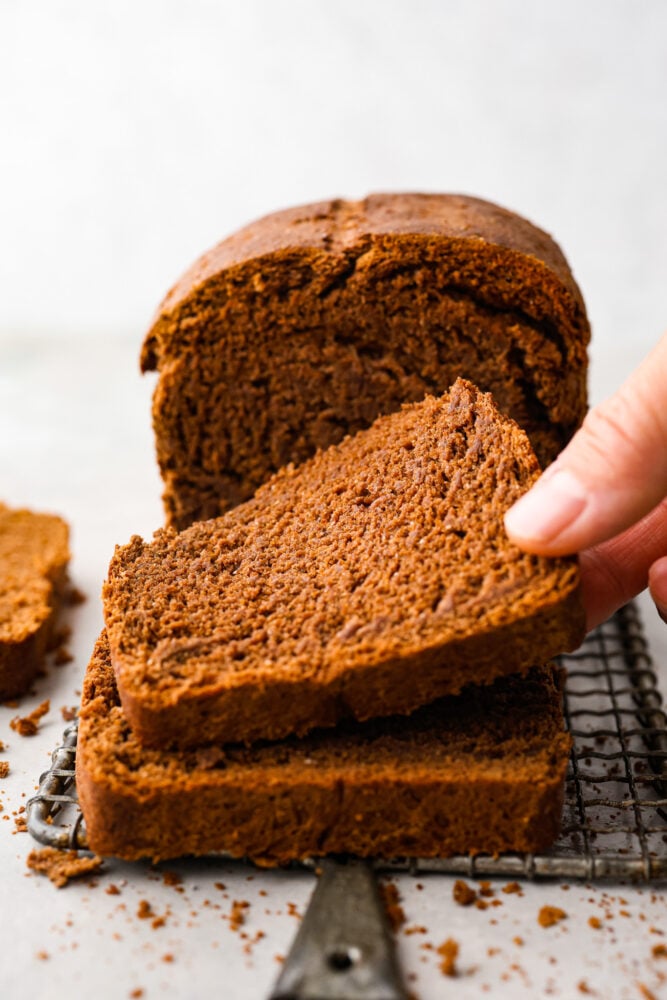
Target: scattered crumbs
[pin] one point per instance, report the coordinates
(448, 952)
(462, 893)
(550, 915)
(279, 958)
(20, 824)
(492, 951)
(518, 941)
(659, 951)
(247, 948)
(623, 913)
(646, 992)
(415, 929)
(219, 885)
(112, 890)
(43, 956)
(68, 712)
(263, 892)
(61, 866)
(512, 887)
(566, 888)
(293, 911)
(2, 746)
(485, 889)
(419, 886)
(28, 724)
(583, 986)
(4, 768)
(136, 994)
(655, 930)
(75, 596)
(595, 923)
(391, 901)
(481, 904)
(238, 913)
(168, 957)
(145, 910)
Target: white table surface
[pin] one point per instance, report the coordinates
(75, 438)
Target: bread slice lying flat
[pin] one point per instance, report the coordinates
(34, 554)
(480, 772)
(309, 323)
(372, 579)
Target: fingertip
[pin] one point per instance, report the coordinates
(657, 582)
(540, 520)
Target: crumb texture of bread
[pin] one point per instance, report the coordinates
(34, 554)
(482, 772)
(309, 323)
(372, 579)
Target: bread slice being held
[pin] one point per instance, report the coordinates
(372, 579)
(307, 324)
(482, 772)
(34, 554)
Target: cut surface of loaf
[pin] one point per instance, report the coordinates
(372, 579)
(481, 772)
(306, 325)
(34, 554)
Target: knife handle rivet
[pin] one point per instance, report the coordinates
(343, 958)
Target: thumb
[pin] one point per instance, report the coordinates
(612, 473)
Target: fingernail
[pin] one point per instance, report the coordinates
(551, 506)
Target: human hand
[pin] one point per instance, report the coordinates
(605, 496)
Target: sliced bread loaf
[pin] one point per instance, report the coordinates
(372, 579)
(482, 772)
(34, 554)
(309, 323)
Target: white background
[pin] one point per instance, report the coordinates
(134, 135)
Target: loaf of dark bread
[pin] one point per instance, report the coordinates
(370, 580)
(309, 323)
(34, 554)
(482, 772)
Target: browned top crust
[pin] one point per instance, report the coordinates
(371, 579)
(347, 228)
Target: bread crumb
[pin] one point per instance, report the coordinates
(145, 910)
(28, 725)
(462, 893)
(518, 941)
(68, 713)
(512, 887)
(485, 889)
(61, 866)
(550, 915)
(43, 956)
(20, 824)
(646, 992)
(112, 890)
(136, 994)
(238, 913)
(392, 904)
(595, 923)
(659, 951)
(448, 951)
(583, 986)
(168, 957)
(4, 768)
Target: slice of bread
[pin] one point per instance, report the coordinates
(34, 554)
(372, 579)
(306, 325)
(481, 772)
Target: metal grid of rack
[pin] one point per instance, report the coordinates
(615, 814)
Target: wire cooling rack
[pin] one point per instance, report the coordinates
(614, 821)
